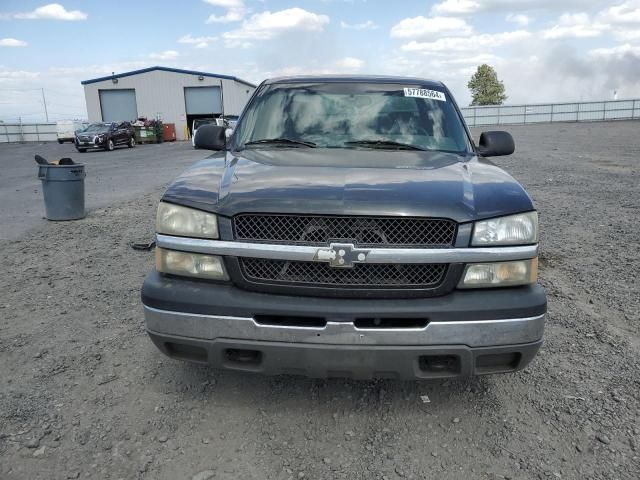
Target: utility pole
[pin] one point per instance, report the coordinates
(44, 101)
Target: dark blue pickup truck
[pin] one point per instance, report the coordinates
(349, 227)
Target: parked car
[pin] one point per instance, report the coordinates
(66, 129)
(348, 227)
(105, 136)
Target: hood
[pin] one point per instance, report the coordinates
(349, 182)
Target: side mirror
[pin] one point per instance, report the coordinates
(496, 144)
(210, 137)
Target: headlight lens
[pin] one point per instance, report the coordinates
(502, 274)
(186, 222)
(517, 229)
(190, 264)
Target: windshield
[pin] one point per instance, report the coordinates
(98, 128)
(352, 115)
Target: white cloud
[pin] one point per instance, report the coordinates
(368, 25)
(226, 3)
(456, 7)
(574, 25)
(232, 15)
(267, 25)
(627, 35)
(519, 19)
(449, 45)
(343, 66)
(617, 51)
(465, 7)
(12, 42)
(17, 75)
(198, 42)
(420, 27)
(350, 63)
(627, 12)
(624, 20)
(236, 11)
(473, 60)
(166, 55)
(52, 11)
(563, 73)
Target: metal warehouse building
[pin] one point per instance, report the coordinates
(173, 95)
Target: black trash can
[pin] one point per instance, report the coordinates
(63, 190)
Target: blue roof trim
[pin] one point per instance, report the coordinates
(166, 69)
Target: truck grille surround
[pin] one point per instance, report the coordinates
(389, 232)
(361, 275)
(364, 232)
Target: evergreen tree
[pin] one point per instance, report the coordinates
(485, 87)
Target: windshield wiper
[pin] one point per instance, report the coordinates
(384, 144)
(286, 141)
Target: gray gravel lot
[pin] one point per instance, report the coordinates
(112, 177)
(84, 393)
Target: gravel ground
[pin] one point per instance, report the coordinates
(123, 174)
(84, 393)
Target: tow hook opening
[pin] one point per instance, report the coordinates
(186, 352)
(390, 323)
(497, 363)
(242, 358)
(437, 364)
(290, 321)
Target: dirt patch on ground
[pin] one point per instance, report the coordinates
(84, 393)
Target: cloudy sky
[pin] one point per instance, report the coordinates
(544, 50)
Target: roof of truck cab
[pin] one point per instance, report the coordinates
(355, 78)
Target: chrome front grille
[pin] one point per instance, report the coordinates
(368, 275)
(362, 231)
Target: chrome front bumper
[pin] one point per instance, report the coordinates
(478, 333)
(339, 349)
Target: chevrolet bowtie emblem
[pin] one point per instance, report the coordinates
(341, 255)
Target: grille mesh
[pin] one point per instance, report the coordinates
(362, 274)
(365, 231)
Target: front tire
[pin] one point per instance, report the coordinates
(132, 142)
(81, 150)
(110, 146)
(60, 141)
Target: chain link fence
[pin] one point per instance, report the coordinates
(552, 112)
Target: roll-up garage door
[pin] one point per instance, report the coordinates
(118, 105)
(203, 100)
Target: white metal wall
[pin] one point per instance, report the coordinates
(236, 95)
(161, 94)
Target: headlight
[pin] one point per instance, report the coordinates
(190, 264)
(517, 229)
(186, 222)
(502, 274)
